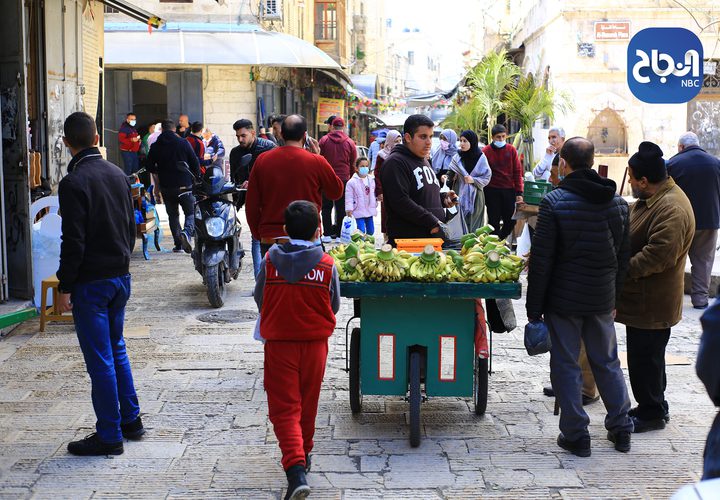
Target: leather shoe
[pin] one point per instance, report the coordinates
(580, 447)
(586, 400)
(133, 430)
(621, 440)
(642, 425)
(92, 446)
(700, 307)
(633, 413)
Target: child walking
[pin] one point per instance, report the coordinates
(360, 201)
(298, 293)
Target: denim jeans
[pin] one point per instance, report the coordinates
(99, 314)
(257, 256)
(174, 200)
(131, 162)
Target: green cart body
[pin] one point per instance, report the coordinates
(404, 324)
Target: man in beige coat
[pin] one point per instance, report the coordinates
(661, 231)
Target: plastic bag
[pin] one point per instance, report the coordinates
(537, 338)
(523, 243)
(349, 226)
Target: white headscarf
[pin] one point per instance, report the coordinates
(390, 143)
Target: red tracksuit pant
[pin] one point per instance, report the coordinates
(294, 372)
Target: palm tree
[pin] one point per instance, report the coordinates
(467, 116)
(526, 102)
(490, 80)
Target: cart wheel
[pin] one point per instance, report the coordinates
(415, 398)
(481, 386)
(355, 390)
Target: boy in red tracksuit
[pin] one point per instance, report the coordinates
(298, 294)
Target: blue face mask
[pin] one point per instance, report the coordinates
(317, 242)
(363, 171)
(561, 177)
(499, 144)
(132, 123)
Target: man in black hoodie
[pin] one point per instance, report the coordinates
(98, 236)
(411, 191)
(165, 159)
(580, 253)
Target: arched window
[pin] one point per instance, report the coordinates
(607, 132)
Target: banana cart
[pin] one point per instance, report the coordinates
(419, 335)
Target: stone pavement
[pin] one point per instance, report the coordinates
(200, 388)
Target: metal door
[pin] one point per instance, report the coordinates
(118, 103)
(184, 94)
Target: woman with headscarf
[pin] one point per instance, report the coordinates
(443, 155)
(470, 173)
(392, 138)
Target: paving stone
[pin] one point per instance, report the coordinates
(374, 463)
(411, 471)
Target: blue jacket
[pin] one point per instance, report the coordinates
(708, 370)
(698, 175)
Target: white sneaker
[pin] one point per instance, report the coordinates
(326, 239)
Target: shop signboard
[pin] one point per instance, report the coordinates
(330, 107)
(609, 31)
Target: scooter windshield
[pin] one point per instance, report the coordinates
(213, 180)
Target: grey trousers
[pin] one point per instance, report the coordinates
(598, 334)
(702, 256)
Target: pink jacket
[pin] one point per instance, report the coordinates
(358, 199)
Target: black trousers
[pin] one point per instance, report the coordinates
(646, 365)
(174, 200)
(500, 205)
(330, 228)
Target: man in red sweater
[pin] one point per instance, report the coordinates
(298, 293)
(129, 140)
(340, 151)
(283, 175)
(506, 185)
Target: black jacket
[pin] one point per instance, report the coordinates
(411, 194)
(98, 221)
(698, 175)
(240, 174)
(581, 248)
(163, 158)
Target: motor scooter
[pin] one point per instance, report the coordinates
(218, 252)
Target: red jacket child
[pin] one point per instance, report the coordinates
(298, 293)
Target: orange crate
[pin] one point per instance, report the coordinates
(416, 245)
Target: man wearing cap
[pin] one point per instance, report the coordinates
(340, 151)
(661, 231)
(374, 149)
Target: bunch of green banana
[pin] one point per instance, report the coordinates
(481, 237)
(455, 266)
(349, 270)
(494, 266)
(384, 265)
(358, 236)
(430, 265)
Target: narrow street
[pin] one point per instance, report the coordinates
(199, 380)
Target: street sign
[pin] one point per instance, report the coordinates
(609, 31)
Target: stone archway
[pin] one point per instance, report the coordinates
(608, 133)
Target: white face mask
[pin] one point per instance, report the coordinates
(132, 123)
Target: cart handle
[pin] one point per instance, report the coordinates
(347, 344)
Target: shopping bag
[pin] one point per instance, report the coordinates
(501, 315)
(523, 243)
(349, 226)
(537, 338)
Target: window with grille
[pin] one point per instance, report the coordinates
(607, 132)
(325, 20)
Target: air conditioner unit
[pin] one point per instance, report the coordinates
(271, 9)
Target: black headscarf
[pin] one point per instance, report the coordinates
(471, 156)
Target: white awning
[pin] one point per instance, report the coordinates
(247, 47)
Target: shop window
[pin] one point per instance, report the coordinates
(607, 132)
(325, 20)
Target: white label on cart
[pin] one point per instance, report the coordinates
(386, 357)
(447, 359)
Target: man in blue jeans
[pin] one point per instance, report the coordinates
(98, 236)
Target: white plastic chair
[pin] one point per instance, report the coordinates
(48, 228)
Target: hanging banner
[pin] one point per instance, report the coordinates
(329, 107)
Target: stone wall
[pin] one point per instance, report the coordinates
(228, 95)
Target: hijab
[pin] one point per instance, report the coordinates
(441, 159)
(390, 140)
(471, 156)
